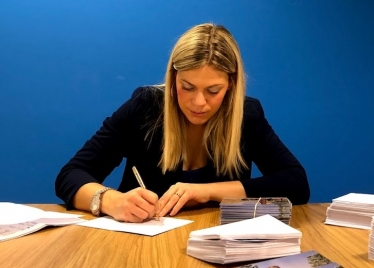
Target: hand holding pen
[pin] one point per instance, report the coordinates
(141, 183)
(136, 205)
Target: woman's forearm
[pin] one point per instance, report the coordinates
(218, 190)
(82, 198)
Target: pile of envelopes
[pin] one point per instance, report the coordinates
(253, 239)
(351, 210)
(233, 209)
(371, 240)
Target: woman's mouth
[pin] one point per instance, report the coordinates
(198, 113)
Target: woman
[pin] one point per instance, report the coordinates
(193, 140)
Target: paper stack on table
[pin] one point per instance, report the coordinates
(253, 239)
(351, 210)
(233, 210)
(371, 240)
(18, 220)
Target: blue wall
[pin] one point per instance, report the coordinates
(66, 65)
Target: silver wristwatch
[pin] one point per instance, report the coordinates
(95, 205)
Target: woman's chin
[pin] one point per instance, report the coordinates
(197, 122)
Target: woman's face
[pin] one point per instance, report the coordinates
(200, 92)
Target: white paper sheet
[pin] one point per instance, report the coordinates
(11, 213)
(150, 228)
(18, 220)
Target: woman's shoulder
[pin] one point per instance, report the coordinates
(253, 108)
(148, 93)
(144, 101)
(145, 97)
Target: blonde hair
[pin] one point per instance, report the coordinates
(212, 45)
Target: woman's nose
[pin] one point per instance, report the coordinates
(199, 99)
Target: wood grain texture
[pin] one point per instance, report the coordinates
(76, 246)
(346, 246)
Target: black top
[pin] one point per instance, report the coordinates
(122, 136)
(194, 176)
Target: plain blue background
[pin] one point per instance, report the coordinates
(66, 65)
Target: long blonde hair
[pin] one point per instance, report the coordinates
(212, 45)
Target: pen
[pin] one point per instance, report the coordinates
(137, 176)
(141, 183)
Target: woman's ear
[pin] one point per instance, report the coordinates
(172, 89)
(231, 82)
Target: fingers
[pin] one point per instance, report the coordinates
(149, 196)
(173, 200)
(145, 203)
(136, 214)
(140, 204)
(182, 199)
(136, 205)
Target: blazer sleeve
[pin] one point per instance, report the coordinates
(282, 173)
(102, 153)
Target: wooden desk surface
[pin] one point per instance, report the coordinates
(76, 246)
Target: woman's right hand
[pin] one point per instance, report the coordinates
(133, 206)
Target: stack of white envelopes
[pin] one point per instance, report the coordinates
(233, 209)
(371, 240)
(252, 239)
(351, 210)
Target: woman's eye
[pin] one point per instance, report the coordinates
(187, 88)
(213, 91)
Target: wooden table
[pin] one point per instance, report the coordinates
(76, 246)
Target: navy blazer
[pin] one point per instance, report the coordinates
(122, 135)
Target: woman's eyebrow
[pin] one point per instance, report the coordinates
(215, 85)
(187, 82)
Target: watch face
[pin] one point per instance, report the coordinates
(94, 207)
(95, 204)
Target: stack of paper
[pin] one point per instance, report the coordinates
(371, 240)
(19, 220)
(253, 239)
(233, 210)
(351, 210)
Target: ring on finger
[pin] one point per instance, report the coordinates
(178, 195)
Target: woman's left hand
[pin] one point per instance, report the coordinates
(182, 194)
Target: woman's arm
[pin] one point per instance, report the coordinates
(282, 173)
(101, 154)
(219, 190)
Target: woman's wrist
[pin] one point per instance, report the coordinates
(107, 200)
(219, 190)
